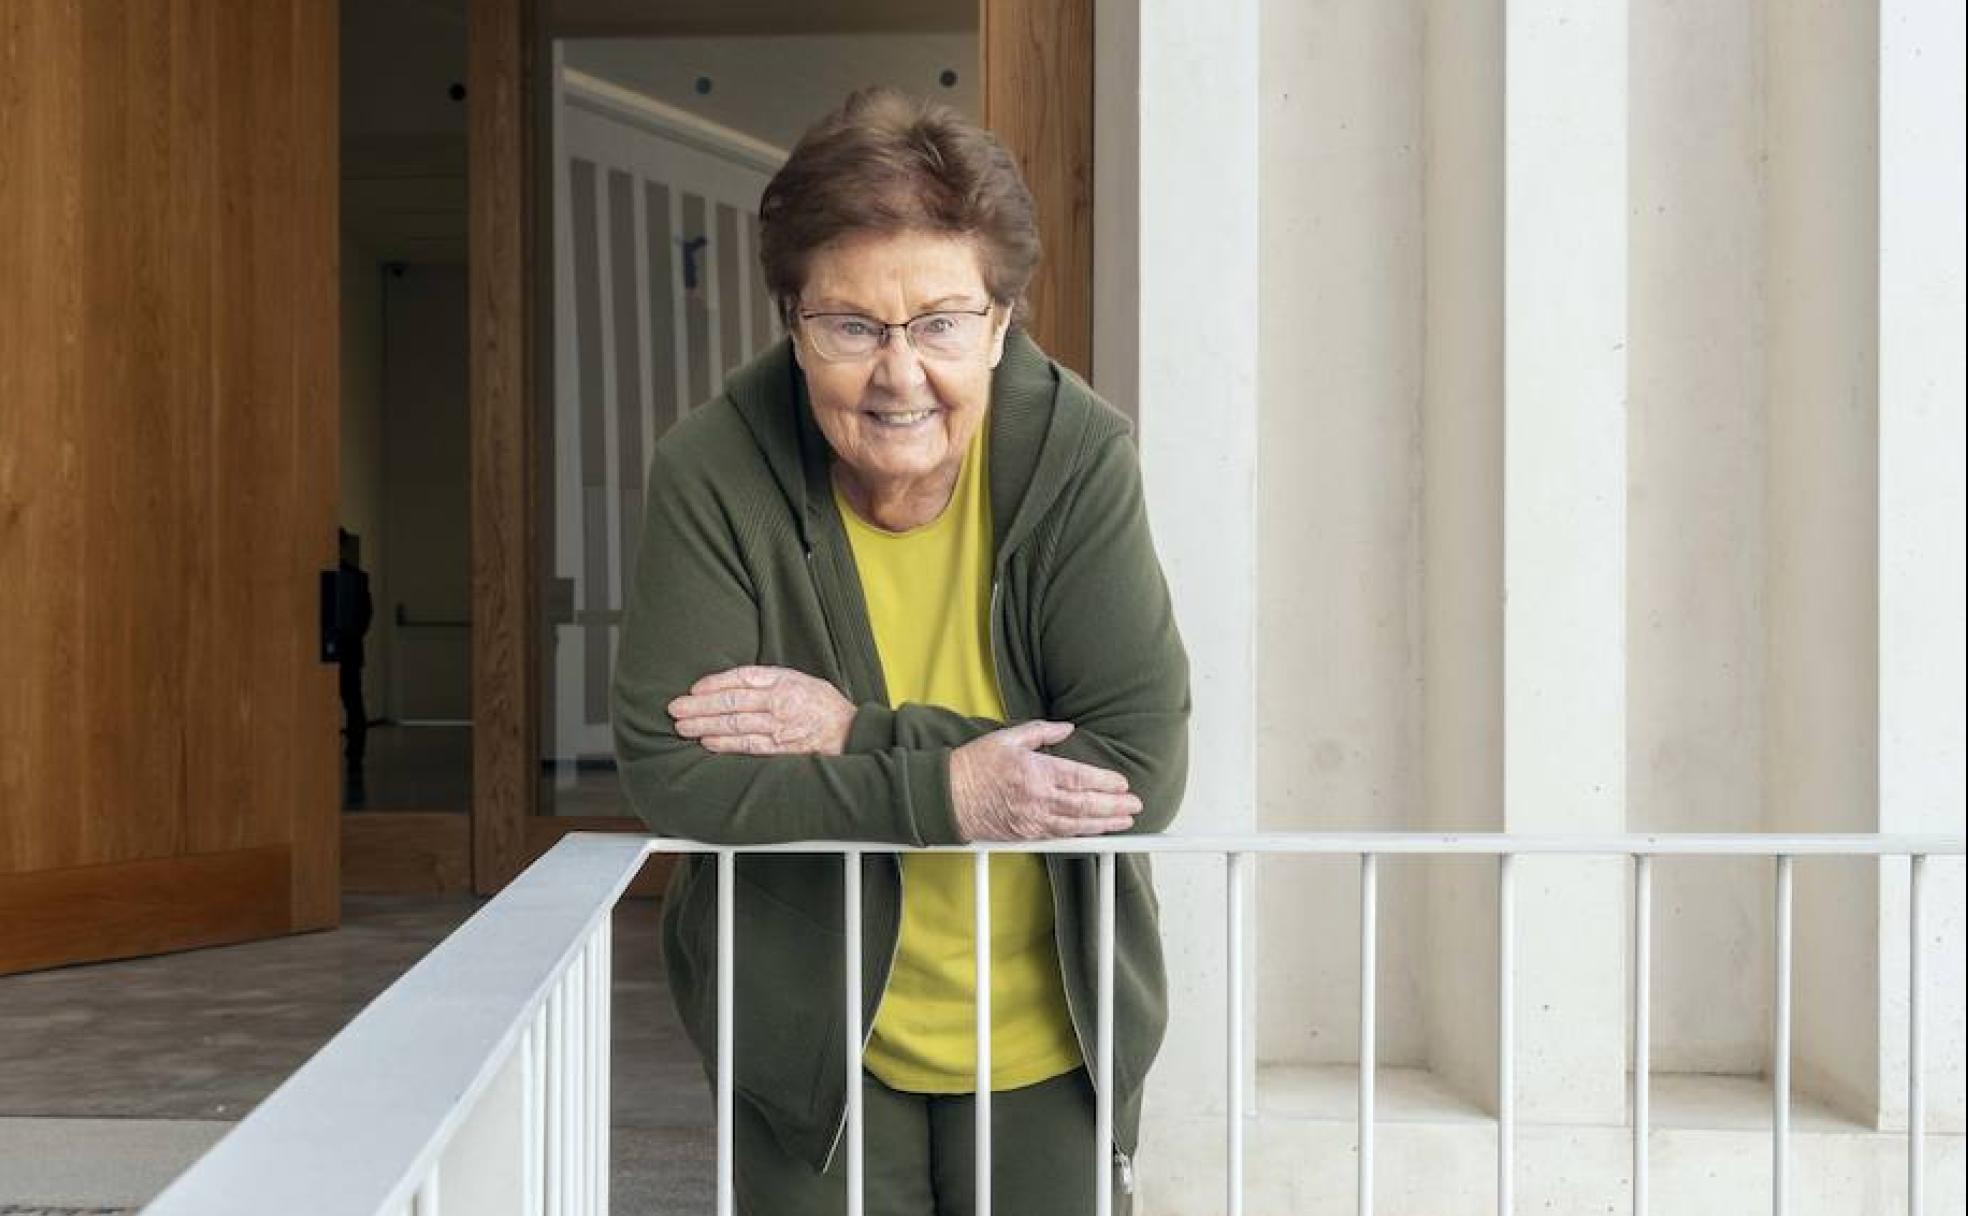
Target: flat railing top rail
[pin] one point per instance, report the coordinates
(357, 1127)
(1853, 844)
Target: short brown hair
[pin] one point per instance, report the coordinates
(887, 162)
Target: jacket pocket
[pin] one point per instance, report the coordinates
(786, 1013)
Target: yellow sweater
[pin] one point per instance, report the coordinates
(928, 595)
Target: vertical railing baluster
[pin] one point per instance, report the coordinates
(427, 1201)
(1234, 876)
(851, 927)
(591, 1076)
(727, 949)
(577, 987)
(1780, 1050)
(570, 1041)
(1103, 1090)
(583, 1077)
(1916, 993)
(554, 1165)
(1506, 1029)
(1643, 899)
(1369, 933)
(605, 1058)
(530, 1121)
(981, 873)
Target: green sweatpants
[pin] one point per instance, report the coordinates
(920, 1158)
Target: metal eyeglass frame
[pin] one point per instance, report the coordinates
(881, 342)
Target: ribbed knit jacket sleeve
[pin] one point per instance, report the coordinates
(1111, 659)
(691, 611)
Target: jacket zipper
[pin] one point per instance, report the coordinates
(827, 619)
(895, 944)
(1072, 1015)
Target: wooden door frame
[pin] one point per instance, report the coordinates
(1038, 95)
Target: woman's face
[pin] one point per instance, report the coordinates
(868, 408)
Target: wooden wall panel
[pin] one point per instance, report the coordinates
(43, 699)
(505, 730)
(1038, 97)
(169, 418)
(136, 908)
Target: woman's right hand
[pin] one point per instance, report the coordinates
(1003, 787)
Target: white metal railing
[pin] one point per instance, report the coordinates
(478, 1083)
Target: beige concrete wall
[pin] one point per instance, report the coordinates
(1340, 339)
(1697, 453)
(1462, 523)
(1751, 482)
(1821, 699)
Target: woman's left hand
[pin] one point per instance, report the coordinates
(764, 711)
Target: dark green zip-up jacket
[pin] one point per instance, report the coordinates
(743, 559)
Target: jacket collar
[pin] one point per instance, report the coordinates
(1032, 437)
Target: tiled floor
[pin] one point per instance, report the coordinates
(114, 1076)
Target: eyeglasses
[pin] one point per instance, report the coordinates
(946, 334)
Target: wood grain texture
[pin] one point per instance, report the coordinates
(136, 908)
(1038, 98)
(169, 342)
(406, 853)
(504, 681)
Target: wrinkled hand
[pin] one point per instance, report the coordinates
(764, 711)
(1004, 788)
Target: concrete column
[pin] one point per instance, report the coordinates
(1922, 474)
(1564, 520)
(1176, 185)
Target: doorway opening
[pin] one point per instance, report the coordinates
(406, 446)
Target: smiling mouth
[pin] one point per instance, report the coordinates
(898, 419)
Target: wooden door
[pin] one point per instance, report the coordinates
(169, 438)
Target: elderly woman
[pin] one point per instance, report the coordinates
(896, 585)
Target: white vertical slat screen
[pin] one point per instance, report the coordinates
(653, 284)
